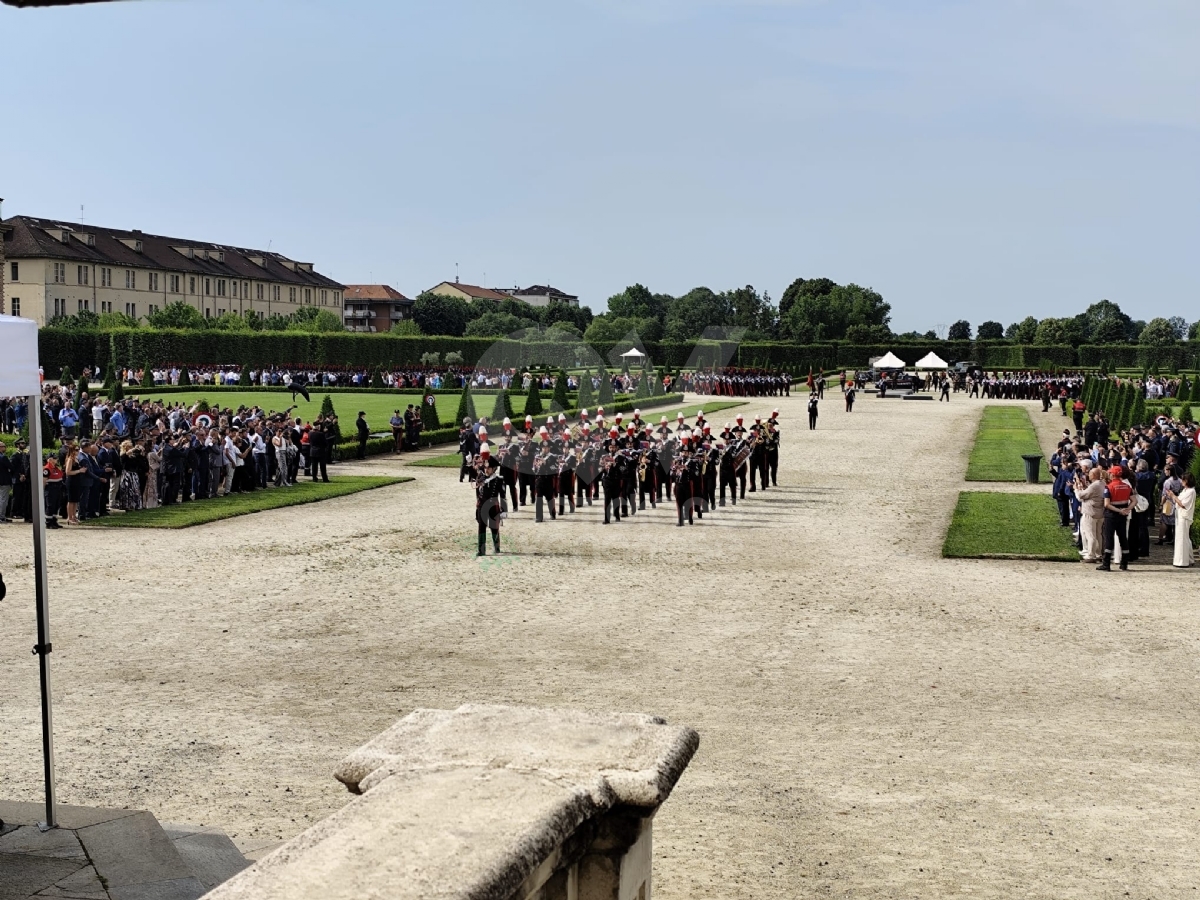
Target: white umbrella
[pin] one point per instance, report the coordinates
(19, 377)
(931, 361)
(889, 361)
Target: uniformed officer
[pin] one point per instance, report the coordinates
(489, 488)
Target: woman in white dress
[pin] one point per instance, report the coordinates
(1185, 512)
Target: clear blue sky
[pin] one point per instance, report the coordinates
(966, 159)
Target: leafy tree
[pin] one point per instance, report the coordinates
(750, 309)
(274, 322)
(960, 331)
(868, 334)
(827, 316)
(607, 329)
(689, 315)
(1050, 331)
(313, 320)
(1194, 334)
(801, 287)
(990, 331)
(110, 320)
(1158, 333)
(230, 321)
(185, 377)
(1179, 326)
(177, 315)
(636, 302)
(1107, 324)
(466, 405)
(440, 314)
(1022, 332)
(533, 400)
(84, 320)
(405, 328)
(497, 324)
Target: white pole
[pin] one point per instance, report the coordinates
(42, 592)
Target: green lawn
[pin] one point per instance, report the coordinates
(184, 515)
(1008, 526)
(653, 414)
(1005, 434)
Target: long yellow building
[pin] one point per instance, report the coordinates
(55, 268)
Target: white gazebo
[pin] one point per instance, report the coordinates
(931, 361)
(20, 377)
(889, 361)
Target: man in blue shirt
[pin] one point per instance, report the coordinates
(68, 419)
(117, 421)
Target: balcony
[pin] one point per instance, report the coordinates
(349, 313)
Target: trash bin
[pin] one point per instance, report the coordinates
(1033, 465)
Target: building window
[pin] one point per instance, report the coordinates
(105, 277)
(131, 310)
(207, 313)
(207, 287)
(276, 291)
(131, 279)
(246, 289)
(233, 288)
(153, 277)
(106, 306)
(291, 295)
(81, 274)
(192, 284)
(60, 273)
(220, 287)
(174, 281)
(16, 306)
(82, 305)
(258, 291)
(152, 310)
(15, 270)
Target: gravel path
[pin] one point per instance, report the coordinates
(875, 721)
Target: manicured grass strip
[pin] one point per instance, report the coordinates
(201, 512)
(453, 460)
(989, 525)
(445, 461)
(1005, 434)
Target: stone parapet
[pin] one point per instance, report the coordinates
(487, 803)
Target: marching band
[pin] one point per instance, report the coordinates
(561, 467)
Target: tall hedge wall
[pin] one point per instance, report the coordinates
(134, 347)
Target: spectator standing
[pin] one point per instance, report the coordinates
(1185, 511)
(364, 434)
(6, 482)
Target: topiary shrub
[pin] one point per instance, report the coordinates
(533, 400)
(605, 397)
(185, 378)
(1185, 413)
(429, 415)
(147, 376)
(586, 397)
(66, 378)
(466, 406)
(377, 381)
(560, 400)
(327, 410)
(244, 377)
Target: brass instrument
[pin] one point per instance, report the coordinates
(606, 462)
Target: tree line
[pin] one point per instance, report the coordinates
(1100, 323)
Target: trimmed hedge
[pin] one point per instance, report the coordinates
(66, 348)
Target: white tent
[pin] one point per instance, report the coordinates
(635, 353)
(890, 361)
(931, 361)
(20, 377)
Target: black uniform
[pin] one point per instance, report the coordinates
(771, 457)
(546, 473)
(489, 491)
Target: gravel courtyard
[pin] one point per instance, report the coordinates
(875, 721)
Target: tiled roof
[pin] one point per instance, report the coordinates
(31, 239)
(543, 290)
(382, 292)
(474, 290)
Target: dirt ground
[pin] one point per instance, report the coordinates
(875, 721)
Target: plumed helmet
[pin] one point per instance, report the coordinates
(484, 450)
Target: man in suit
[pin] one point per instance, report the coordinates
(318, 451)
(172, 466)
(364, 432)
(107, 463)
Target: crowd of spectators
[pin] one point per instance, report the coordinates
(138, 453)
(1115, 490)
